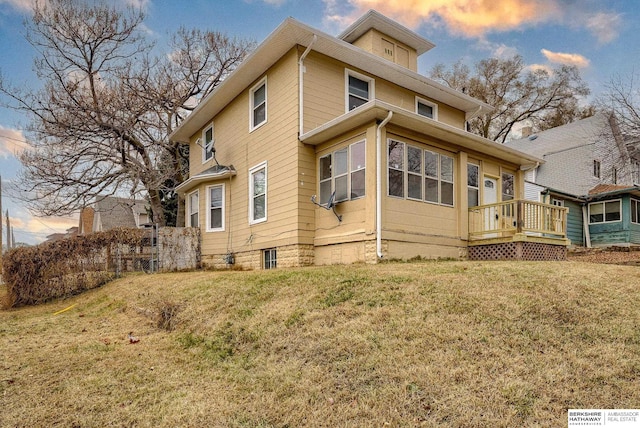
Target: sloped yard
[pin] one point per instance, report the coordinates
(471, 344)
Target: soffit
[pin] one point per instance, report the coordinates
(378, 110)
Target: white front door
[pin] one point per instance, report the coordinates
(490, 196)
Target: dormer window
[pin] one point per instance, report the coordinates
(359, 89)
(426, 109)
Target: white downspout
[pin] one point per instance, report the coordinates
(379, 184)
(301, 72)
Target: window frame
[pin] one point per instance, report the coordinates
(222, 209)
(439, 177)
(635, 213)
(190, 210)
(473, 188)
(604, 211)
(370, 89)
(252, 107)
(207, 147)
(512, 196)
(273, 258)
(597, 166)
(434, 108)
(252, 196)
(348, 173)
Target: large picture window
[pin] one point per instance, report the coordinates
(258, 193)
(428, 174)
(258, 104)
(359, 89)
(193, 209)
(605, 212)
(215, 212)
(343, 171)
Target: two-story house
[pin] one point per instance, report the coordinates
(321, 149)
(589, 169)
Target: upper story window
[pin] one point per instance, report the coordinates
(360, 89)
(193, 207)
(258, 193)
(596, 168)
(207, 147)
(605, 212)
(343, 171)
(473, 185)
(507, 186)
(258, 104)
(428, 174)
(426, 108)
(215, 210)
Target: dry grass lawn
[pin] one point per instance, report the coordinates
(471, 344)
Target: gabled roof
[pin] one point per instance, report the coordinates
(216, 172)
(292, 33)
(114, 212)
(376, 20)
(563, 138)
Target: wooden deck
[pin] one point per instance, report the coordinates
(518, 230)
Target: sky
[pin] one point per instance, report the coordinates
(600, 37)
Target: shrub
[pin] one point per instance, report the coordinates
(65, 267)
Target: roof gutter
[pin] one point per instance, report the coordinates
(301, 71)
(379, 184)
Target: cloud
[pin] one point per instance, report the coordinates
(137, 4)
(474, 18)
(604, 26)
(12, 142)
(20, 5)
(566, 58)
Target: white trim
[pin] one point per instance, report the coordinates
(190, 211)
(431, 104)
(631, 202)
(208, 227)
(253, 170)
(204, 143)
(252, 107)
(370, 80)
(604, 213)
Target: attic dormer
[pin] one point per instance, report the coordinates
(381, 36)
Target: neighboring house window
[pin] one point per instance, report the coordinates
(635, 211)
(596, 168)
(259, 104)
(419, 166)
(360, 89)
(604, 212)
(426, 108)
(258, 193)
(194, 206)
(343, 171)
(207, 147)
(215, 211)
(507, 186)
(473, 184)
(270, 258)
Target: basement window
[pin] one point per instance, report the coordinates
(270, 258)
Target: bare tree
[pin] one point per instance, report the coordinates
(544, 98)
(100, 123)
(621, 96)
